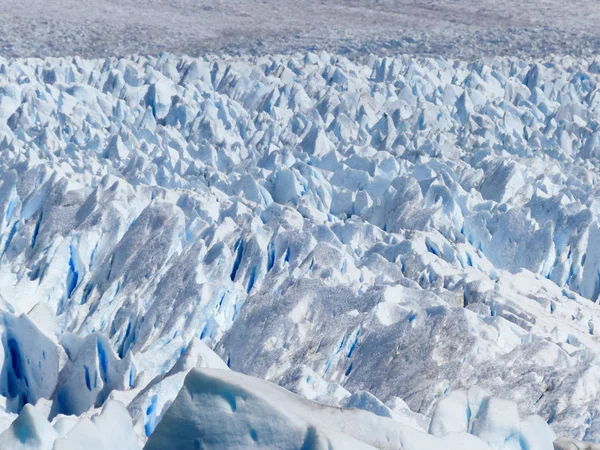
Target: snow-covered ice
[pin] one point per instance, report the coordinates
(415, 238)
(465, 28)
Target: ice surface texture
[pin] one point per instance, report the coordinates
(464, 28)
(223, 409)
(375, 235)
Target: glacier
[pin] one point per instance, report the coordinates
(455, 28)
(413, 240)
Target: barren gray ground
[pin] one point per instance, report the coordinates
(464, 28)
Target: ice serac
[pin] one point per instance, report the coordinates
(93, 361)
(223, 409)
(29, 431)
(494, 420)
(111, 429)
(150, 404)
(32, 361)
(107, 429)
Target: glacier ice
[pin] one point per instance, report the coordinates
(415, 238)
(225, 409)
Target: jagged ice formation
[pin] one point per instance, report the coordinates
(379, 235)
